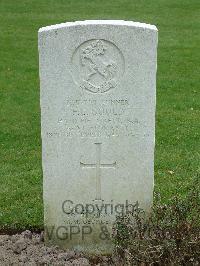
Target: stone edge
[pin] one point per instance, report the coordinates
(98, 22)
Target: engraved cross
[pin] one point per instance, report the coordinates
(98, 166)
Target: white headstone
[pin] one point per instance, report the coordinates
(98, 90)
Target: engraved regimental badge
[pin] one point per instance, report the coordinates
(97, 66)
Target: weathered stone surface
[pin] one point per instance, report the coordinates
(98, 88)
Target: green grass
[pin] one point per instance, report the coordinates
(178, 95)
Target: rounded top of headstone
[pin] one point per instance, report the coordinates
(99, 22)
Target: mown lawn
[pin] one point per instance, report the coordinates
(178, 95)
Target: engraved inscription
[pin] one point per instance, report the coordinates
(98, 165)
(92, 118)
(97, 66)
